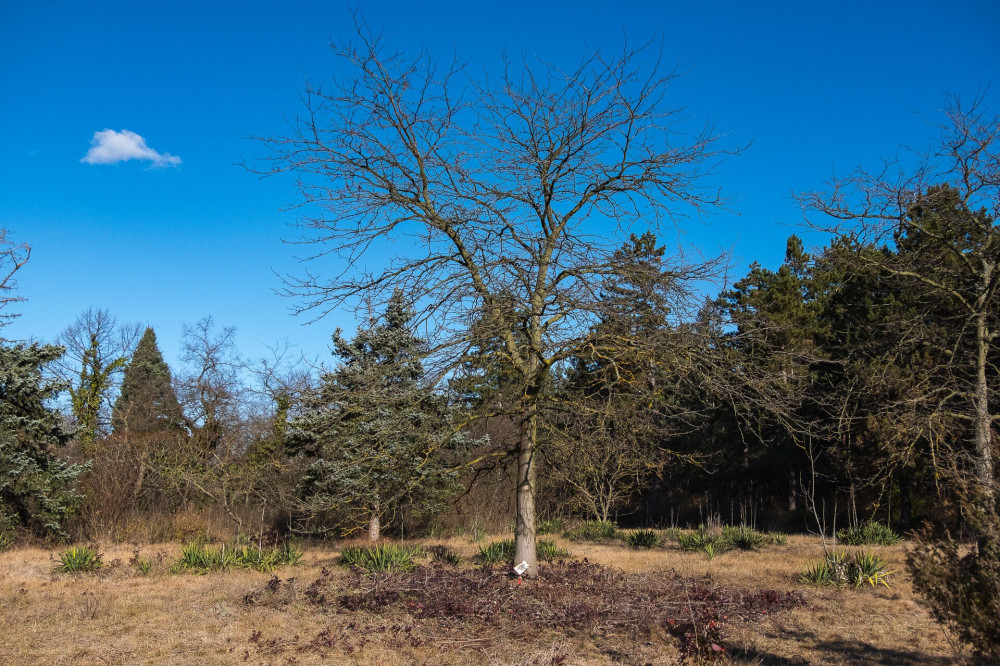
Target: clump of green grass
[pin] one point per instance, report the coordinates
(201, 558)
(381, 558)
(838, 568)
(78, 559)
(643, 539)
(868, 534)
(502, 552)
(550, 526)
(444, 555)
(745, 538)
(547, 551)
(715, 541)
(497, 552)
(593, 530)
(144, 565)
(671, 533)
(697, 541)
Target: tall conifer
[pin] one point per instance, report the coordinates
(148, 402)
(376, 428)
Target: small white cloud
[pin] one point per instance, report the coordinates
(111, 147)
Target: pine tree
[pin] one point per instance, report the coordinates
(35, 486)
(148, 402)
(377, 429)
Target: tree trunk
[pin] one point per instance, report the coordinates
(984, 420)
(374, 528)
(524, 532)
(792, 492)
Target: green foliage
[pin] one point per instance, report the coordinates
(87, 397)
(643, 539)
(497, 552)
(201, 558)
(868, 534)
(714, 542)
(546, 551)
(593, 530)
(820, 574)
(502, 552)
(961, 585)
(745, 538)
(868, 568)
(840, 568)
(148, 402)
(381, 558)
(550, 526)
(380, 434)
(78, 559)
(444, 555)
(704, 541)
(36, 488)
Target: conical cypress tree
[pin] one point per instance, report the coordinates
(148, 402)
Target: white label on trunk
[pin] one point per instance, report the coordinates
(521, 568)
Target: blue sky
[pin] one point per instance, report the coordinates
(818, 88)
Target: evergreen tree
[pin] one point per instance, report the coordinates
(377, 430)
(617, 401)
(148, 402)
(35, 487)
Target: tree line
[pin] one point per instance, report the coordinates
(564, 350)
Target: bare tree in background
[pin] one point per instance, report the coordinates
(500, 201)
(97, 351)
(13, 256)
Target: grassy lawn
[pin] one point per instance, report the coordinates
(616, 608)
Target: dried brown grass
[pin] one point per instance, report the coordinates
(118, 616)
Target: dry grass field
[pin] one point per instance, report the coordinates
(121, 616)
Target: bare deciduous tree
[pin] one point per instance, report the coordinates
(97, 350)
(500, 201)
(13, 256)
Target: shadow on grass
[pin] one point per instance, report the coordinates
(841, 652)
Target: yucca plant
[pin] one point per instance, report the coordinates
(691, 540)
(868, 568)
(838, 568)
(144, 565)
(778, 538)
(550, 526)
(381, 558)
(198, 557)
(497, 552)
(78, 559)
(444, 555)
(593, 530)
(745, 538)
(643, 539)
(820, 574)
(547, 551)
(869, 534)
